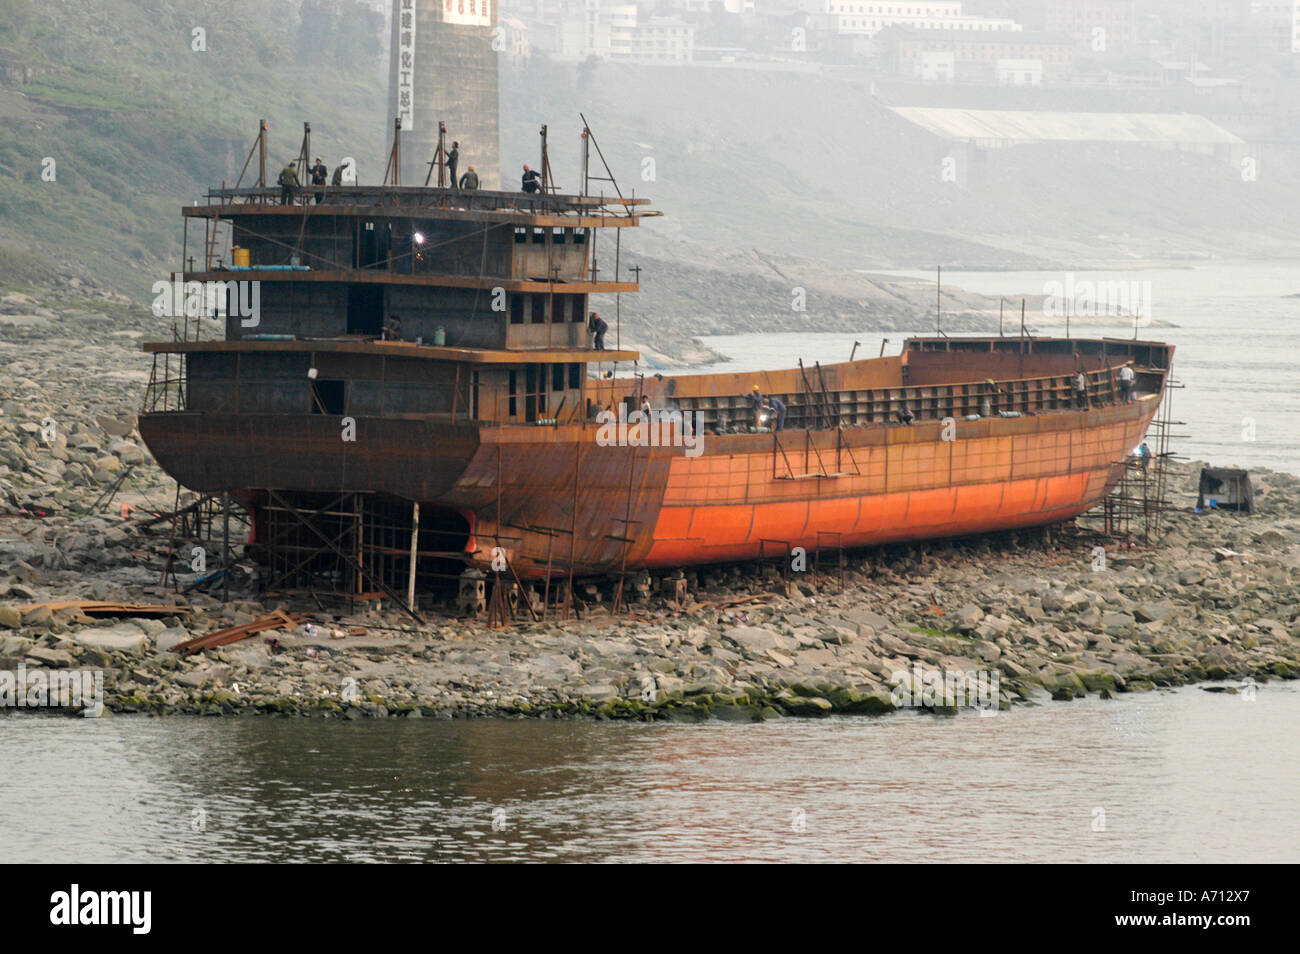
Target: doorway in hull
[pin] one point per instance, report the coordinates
(365, 309)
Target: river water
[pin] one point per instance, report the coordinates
(1178, 776)
(1236, 330)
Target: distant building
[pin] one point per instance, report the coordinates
(518, 46)
(1020, 72)
(1005, 58)
(869, 18)
(1102, 26)
(619, 32)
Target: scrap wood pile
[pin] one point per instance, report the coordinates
(104, 608)
(224, 637)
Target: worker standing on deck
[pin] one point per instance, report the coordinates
(288, 182)
(597, 326)
(1081, 390)
(532, 179)
(453, 159)
(319, 174)
(1126, 377)
(469, 181)
(338, 173)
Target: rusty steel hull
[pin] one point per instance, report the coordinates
(555, 497)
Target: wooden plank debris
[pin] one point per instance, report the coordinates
(103, 608)
(224, 637)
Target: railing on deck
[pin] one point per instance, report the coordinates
(420, 197)
(926, 402)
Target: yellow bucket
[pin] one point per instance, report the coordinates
(239, 256)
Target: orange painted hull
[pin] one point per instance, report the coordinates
(724, 509)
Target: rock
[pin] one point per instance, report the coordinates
(1098, 680)
(816, 657)
(1152, 612)
(671, 686)
(113, 427)
(169, 639)
(1117, 624)
(756, 639)
(865, 619)
(10, 618)
(779, 658)
(37, 615)
(54, 658)
(968, 617)
(122, 637)
(600, 693)
(731, 713)
(808, 706)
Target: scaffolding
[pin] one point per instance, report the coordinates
(1132, 513)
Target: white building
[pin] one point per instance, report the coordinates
(1013, 72)
(855, 17)
(617, 32)
(937, 66)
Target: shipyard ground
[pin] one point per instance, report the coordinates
(744, 648)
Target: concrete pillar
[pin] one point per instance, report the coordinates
(444, 68)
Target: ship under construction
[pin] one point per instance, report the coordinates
(418, 396)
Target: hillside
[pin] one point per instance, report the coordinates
(770, 181)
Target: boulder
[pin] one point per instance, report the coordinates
(807, 706)
(865, 619)
(967, 617)
(169, 639)
(756, 639)
(123, 637)
(1117, 624)
(1152, 612)
(53, 658)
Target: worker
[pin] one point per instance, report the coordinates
(338, 173)
(469, 181)
(1126, 378)
(453, 158)
(774, 407)
(392, 329)
(1144, 458)
(904, 414)
(288, 182)
(597, 326)
(778, 408)
(1080, 390)
(756, 402)
(986, 399)
(532, 179)
(319, 175)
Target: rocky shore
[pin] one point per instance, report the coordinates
(1213, 601)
